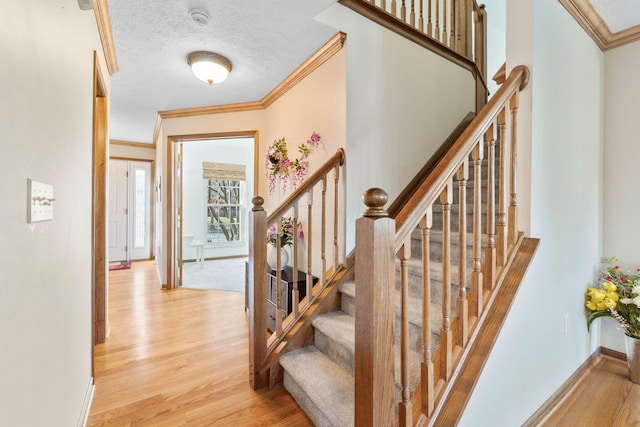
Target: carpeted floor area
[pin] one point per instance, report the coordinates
(223, 274)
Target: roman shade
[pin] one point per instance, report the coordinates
(211, 170)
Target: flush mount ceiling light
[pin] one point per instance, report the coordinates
(208, 66)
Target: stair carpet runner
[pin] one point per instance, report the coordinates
(320, 376)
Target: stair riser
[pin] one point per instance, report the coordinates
(415, 335)
(340, 354)
(416, 286)
(436, 250)
(415, 331)
(305, 402)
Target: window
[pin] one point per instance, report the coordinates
(224, 207)
(139, 208)
(223, 197)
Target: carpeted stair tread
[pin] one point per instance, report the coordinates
(326, 387)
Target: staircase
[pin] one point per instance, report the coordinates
(320, 376)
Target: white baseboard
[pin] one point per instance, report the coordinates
(86, 404)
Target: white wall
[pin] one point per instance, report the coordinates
(496, 39)
(46, 82)
(402, 102)
(532, 355)
(621, 170)
(238, 151)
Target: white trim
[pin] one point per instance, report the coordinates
(86, 404)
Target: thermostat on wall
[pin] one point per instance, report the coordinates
(40, 201)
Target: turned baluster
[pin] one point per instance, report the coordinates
(295, 292)
(309, 236)
(446, 335)
(278, 330)
(421, 18)
(429, 23)
(393, 7)
(453, 26)
(403, 11)
(513, 201)
(445, 34)
(437, 33)
(412, 15)
(477, 288)
(404, 254)
(502, 243)
(427, 373)
(463, 305)
(480, 47)
(490, 257)
(336, 253)
(323, 235)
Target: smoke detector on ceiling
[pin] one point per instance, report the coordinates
(199, 17)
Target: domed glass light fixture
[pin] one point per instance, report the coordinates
(208, 66)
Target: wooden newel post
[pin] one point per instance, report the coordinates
(374, 390)
(257, 291)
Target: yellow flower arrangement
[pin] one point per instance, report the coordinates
(617, 295)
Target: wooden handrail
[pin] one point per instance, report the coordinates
(433, 185)
(463, 282)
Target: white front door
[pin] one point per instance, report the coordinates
(118, 204)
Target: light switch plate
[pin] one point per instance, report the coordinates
(40, 201)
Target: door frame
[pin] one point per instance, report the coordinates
(152, 194)
(99, 303)
(172, 204)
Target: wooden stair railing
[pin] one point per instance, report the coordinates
(493, 238)
(262, 342)
(454, 29)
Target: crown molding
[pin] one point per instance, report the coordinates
(212, 109)
(589, 19)
(101, 10)
(318, 58)
(132, 143)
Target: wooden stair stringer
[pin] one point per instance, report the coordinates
(472, 361)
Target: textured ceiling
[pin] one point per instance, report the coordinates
(265, 41)
(618, 14)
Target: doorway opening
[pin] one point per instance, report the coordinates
(213, 182)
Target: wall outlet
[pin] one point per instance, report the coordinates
(566, 323)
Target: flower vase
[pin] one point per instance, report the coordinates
(272, 258)
(632, 346)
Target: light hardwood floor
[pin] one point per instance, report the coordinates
(604, 397)
(179, 358)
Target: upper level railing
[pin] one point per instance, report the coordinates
(314, 261)
(458, 24)
(454, 29)
(436, 323)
